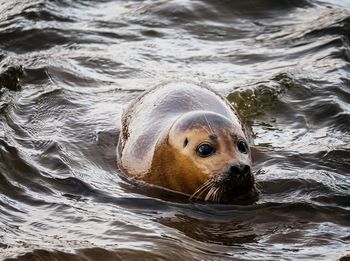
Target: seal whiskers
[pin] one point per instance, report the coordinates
(201, 189)
(210, 193)
(218, 195)
(214, 192)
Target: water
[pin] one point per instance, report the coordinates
(285, 64)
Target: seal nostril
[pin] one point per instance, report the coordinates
(240, 170)
(246, 170)
(235, 170)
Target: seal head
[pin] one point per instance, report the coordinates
(206, 156)
(187, 138)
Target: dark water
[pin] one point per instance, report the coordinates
(285, 64)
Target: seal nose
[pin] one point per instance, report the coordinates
(239, 170)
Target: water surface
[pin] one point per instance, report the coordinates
(284, 64)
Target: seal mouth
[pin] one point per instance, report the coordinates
(225, 188)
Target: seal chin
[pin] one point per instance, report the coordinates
(226, 188)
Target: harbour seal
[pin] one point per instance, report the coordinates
(187, 138)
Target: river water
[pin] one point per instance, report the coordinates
(284, 64)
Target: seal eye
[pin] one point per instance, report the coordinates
(205, 150)
(242, 146)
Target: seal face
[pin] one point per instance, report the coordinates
(186, 138)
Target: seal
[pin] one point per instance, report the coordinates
(187, 138)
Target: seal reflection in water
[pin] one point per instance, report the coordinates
(186, 138)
